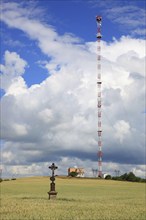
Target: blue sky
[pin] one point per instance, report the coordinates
(48, 81)
(77, 18)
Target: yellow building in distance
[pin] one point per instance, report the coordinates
(80, 171)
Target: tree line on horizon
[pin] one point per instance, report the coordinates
(126, 177)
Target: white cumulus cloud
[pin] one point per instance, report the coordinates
(57, 118)
(11, 72)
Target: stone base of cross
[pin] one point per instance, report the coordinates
(52, 194)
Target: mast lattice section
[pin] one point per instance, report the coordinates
(99, 98)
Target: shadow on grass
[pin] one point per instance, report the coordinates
(67, 199)
(25, 197)
(45, 198)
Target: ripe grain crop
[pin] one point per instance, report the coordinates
(77, 199)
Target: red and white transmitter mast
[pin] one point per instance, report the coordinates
(99, 101)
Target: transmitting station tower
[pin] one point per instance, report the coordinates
(99, 101)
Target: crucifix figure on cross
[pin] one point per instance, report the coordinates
(53, 168)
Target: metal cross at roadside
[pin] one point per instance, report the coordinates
(52, 193)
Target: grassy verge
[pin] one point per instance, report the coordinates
(78, 199)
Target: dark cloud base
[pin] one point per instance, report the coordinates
(115, 157)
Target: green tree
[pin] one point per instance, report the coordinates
(123, 177)
(131, 177)
(108, 177)
(73, 174)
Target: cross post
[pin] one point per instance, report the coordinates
(52, 193)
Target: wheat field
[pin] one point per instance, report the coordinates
(77, 199)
